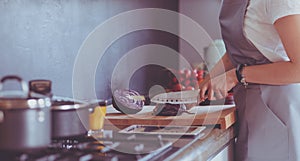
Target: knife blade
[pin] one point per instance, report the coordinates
(181, 97)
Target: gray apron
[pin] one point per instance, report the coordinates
(268, 116)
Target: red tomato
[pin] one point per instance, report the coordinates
(181, 73)
(187, 82)
(183, 87)
(177, 87)
(200, 73)
(174, 80)
(190, 88)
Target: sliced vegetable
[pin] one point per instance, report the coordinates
(128, 101)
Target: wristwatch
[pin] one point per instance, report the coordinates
(239, 75)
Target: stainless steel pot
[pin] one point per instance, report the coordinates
(24, 120)
(70, 118)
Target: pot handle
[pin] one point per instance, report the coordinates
(24, 85)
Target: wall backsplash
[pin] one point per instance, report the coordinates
(40, 39)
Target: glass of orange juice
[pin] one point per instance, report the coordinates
(97, 117)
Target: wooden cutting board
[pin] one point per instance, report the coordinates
(222, 115)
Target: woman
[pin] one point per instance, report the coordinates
(262, 65)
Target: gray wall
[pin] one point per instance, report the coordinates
(206, 14)
(40, 39)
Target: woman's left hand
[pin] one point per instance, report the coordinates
(217, 87)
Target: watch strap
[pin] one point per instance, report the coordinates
(239, 75)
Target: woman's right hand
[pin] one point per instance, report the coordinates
(217, 87)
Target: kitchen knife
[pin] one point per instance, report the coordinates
(181, 97)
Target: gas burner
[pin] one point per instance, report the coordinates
(91, 149)
(64, 144)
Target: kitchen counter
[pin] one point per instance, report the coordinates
(206, 146)
(211, 144)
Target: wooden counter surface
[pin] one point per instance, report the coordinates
(223, 116)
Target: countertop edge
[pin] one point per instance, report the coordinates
(204, 147)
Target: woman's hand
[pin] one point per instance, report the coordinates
(217, 87)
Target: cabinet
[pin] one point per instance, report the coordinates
(227, 154)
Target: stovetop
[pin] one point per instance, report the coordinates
(95, 148)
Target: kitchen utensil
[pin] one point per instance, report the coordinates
(25, 121)
(41, 86)
(71, 118)
(163, 130)
(181, 97)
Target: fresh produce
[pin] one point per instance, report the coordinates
(167, 110)
(185, 79)
(127, 101)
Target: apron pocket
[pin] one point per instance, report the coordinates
(268, 135)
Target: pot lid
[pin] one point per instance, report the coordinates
(21, 99)
(64, 103)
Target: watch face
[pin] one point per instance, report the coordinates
(243, 81)
(239, 70)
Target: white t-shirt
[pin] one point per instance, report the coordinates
(259, 29)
